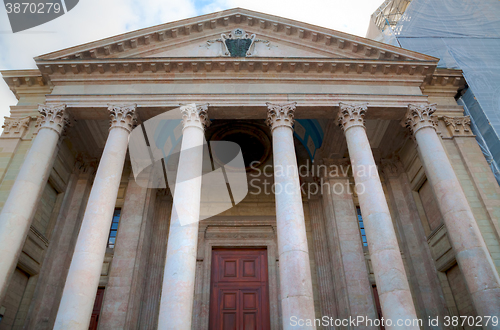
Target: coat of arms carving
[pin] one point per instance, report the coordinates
(238, 43)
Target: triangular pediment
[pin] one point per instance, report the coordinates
(202, 36)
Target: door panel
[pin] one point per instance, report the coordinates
(230, 268)
(229, 299)
(248, 268)
(237, 268)
(249, 321)
(229, 321)
(239, 296)
(249, 300)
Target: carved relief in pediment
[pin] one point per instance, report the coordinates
(238, 43)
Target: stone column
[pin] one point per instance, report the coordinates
(353, 264)
(81, 285)
(115, 307)
(424, 281)
(17, 214)
(177, 296)
(471, 253)
(332, 238)
(155, 264)
(295, 272)
(52, 276)
(323, 262)
(390, 277)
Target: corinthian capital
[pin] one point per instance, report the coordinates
(15, 127)
(53, 117)
(280, 115)
(419, 116)
(195, 115)
(351, 115)
(458, 126)
(122, 115)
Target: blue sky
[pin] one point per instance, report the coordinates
(96, 19)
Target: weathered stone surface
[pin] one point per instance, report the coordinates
(390, 275)
(16, 216)
(176, 304)
(471, 252)
(82, 282)
(295, 272)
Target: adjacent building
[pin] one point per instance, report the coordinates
(464, 35)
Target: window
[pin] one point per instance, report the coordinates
(361, 226)
(96, 311)
(377, 305)
(114, 229)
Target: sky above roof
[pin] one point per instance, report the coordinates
(92, 20)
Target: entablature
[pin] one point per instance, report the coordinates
(27, 82)
(195, 71)
(238, 106)
(207, 68)
(443, 83)
(317, 94)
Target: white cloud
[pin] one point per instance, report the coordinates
(96, 19)
(90, 20)
(351, 16)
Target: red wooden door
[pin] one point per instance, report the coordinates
(239, 298)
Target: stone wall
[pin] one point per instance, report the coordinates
(480, 187)
(14, 297)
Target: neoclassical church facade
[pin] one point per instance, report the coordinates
(367, 197)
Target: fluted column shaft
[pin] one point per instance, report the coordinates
(351, 248)
(17, 213)
(295, 271)
(84, 273)
(155, 265)
(119, 290)
(472, 255)
(390, 276)
(176, 306)
(323, 263)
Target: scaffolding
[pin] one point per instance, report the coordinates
(463, 34)
(389, 13)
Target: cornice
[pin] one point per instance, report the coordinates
(263, 69)
(162, 35)
(28, 81)
(443, 80)
(232, 68)
(16, 78)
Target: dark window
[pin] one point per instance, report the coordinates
(114, 229)
(96, 311)
(377, 305)
(361, 226)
